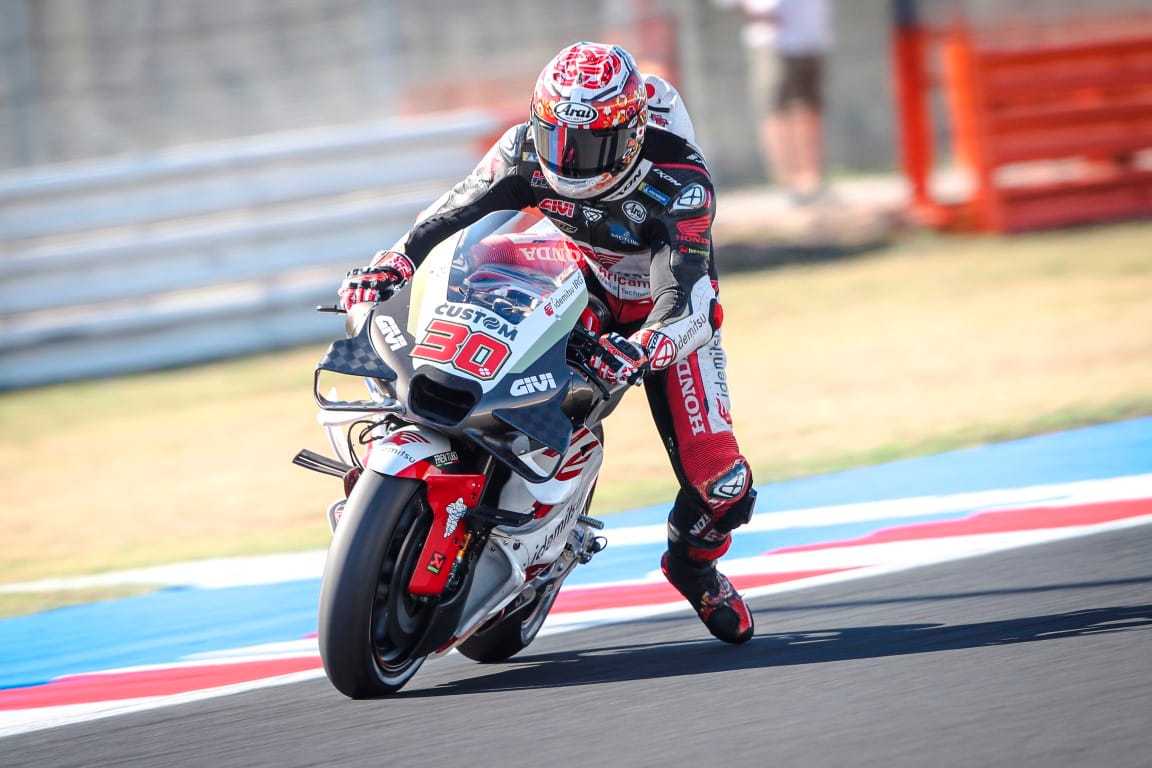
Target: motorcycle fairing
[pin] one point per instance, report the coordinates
(480, 345)
(439, 316)
(584, 454)
(353, 356)
(540, 548)
(541, 406)
(545, 423)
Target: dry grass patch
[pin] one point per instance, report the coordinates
(25, 603)
(932, 345)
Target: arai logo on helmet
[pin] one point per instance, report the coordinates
(575, 113)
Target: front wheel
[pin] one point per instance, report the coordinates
(369, 625)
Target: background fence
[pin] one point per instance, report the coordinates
(182, 179)
(212, 251)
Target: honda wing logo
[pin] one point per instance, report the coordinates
(694, 230)
(392, 335)
(530, 384)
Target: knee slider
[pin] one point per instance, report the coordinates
(733, 495)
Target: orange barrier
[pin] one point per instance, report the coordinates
(1052, 134)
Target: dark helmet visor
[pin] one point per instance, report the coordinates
(580, 153)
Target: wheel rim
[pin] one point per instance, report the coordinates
(398, 620)
(536, 616)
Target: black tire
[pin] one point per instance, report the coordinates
(369, 626)
(514, 632)
(511, 634)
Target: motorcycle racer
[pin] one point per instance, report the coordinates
(608, 156)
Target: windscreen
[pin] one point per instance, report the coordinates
(512, 273)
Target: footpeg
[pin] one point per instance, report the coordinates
(497, 516)
(320, 463)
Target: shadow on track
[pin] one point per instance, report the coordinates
(936, 598)
(658, 660)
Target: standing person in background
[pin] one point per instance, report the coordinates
(787, 42)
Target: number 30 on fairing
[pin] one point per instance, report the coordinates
(472, 352)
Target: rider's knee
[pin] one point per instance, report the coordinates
(702, 520)
(732, 497)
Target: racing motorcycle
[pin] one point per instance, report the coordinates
(469, 448)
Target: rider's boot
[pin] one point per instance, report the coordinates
(693, 572)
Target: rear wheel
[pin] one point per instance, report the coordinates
(513, 632)
(510, 634)
(369, 624)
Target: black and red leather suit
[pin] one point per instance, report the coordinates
(649, 250)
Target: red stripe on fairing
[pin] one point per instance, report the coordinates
(118, 686)
(659, 593)
(1008, 521)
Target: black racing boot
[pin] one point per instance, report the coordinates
(718, 604)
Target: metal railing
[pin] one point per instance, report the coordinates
(149, 262)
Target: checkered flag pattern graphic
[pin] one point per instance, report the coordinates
(545, 423)
(355, 356)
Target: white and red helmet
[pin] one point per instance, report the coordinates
(589, 111)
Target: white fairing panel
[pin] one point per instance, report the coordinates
(502, 571)
(404, 448)
(567, 493)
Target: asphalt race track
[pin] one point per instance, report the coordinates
(1038, 656)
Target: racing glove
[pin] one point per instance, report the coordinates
(388, 273)
(618, 360)
(660, 349)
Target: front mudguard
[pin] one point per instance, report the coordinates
(415, 453)
(446, 607)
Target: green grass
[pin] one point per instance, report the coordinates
(930, 345)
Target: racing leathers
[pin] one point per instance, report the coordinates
(647, 244)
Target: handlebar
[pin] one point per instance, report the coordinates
(584, 344)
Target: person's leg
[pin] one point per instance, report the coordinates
(691, 408)
(766, 73)
(776, 138)
(807, 129)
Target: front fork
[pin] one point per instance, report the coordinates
(456, 500)
(413, 453)
(450, 497)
